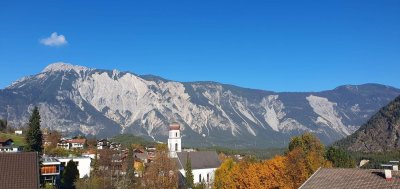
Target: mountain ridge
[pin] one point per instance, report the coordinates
(105, 102)
(381, 133)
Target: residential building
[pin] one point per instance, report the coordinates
(64, 143)
(77, 143)
(71, 143)
(103, 144)
(82, 162)
(19, 170)
(141, 155)
(18, 132)
(50, 171)
(7, 145)
(115, 146)
(11, 148)
(90, 153)
(6, 142)
(151, 153)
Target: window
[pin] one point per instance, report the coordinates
(176, 134)
(199, 177)
(208, 177)
(176, 146)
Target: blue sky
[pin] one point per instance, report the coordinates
(272, 45)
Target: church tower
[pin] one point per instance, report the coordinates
(174, 139)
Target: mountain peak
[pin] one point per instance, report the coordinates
(61, 66)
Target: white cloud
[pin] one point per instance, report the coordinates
(54, 40)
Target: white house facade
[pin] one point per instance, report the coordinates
(201, 175)
(83, 164)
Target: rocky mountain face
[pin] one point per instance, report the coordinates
(76, 99)
(380, 134)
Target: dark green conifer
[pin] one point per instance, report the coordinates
(189, 182)
(34, 135)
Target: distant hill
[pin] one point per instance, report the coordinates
(380, 134)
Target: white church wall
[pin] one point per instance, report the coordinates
(203, 173)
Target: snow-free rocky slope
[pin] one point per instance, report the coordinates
(76, 99)
(380, 134)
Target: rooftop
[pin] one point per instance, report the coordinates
(72, 157)
(81, 141)
(3, 140)
(47, 159)
(199, 160)
(19, 170)
(174, 126)
(337, 178)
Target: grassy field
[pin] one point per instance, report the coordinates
(259, 153)
(128, 139)
(19, 140)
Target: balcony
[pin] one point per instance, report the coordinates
(50, 170)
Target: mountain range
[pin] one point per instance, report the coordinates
(76, 99)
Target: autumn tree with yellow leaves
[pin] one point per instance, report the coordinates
(304, 156)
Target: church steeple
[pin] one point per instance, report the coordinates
(174, 139)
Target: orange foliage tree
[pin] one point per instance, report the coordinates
(304, 157)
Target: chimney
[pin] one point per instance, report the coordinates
(395, 165)
(388, 174)
(388, 170)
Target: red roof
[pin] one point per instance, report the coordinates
(174, 126)
(81, 141)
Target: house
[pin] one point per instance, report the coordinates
(64, 143)
(77, 143)
(11, 148)
(90, 153)
(50, 171)
(141, 155)
(341, 178)
(203, 163)
(103, 144)
(151, 148)
(151, 152)
(82, 162)
(6, 142)
(18, 132)
(115, 146)
(71, 143)
(7, 145)
(19, 170)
